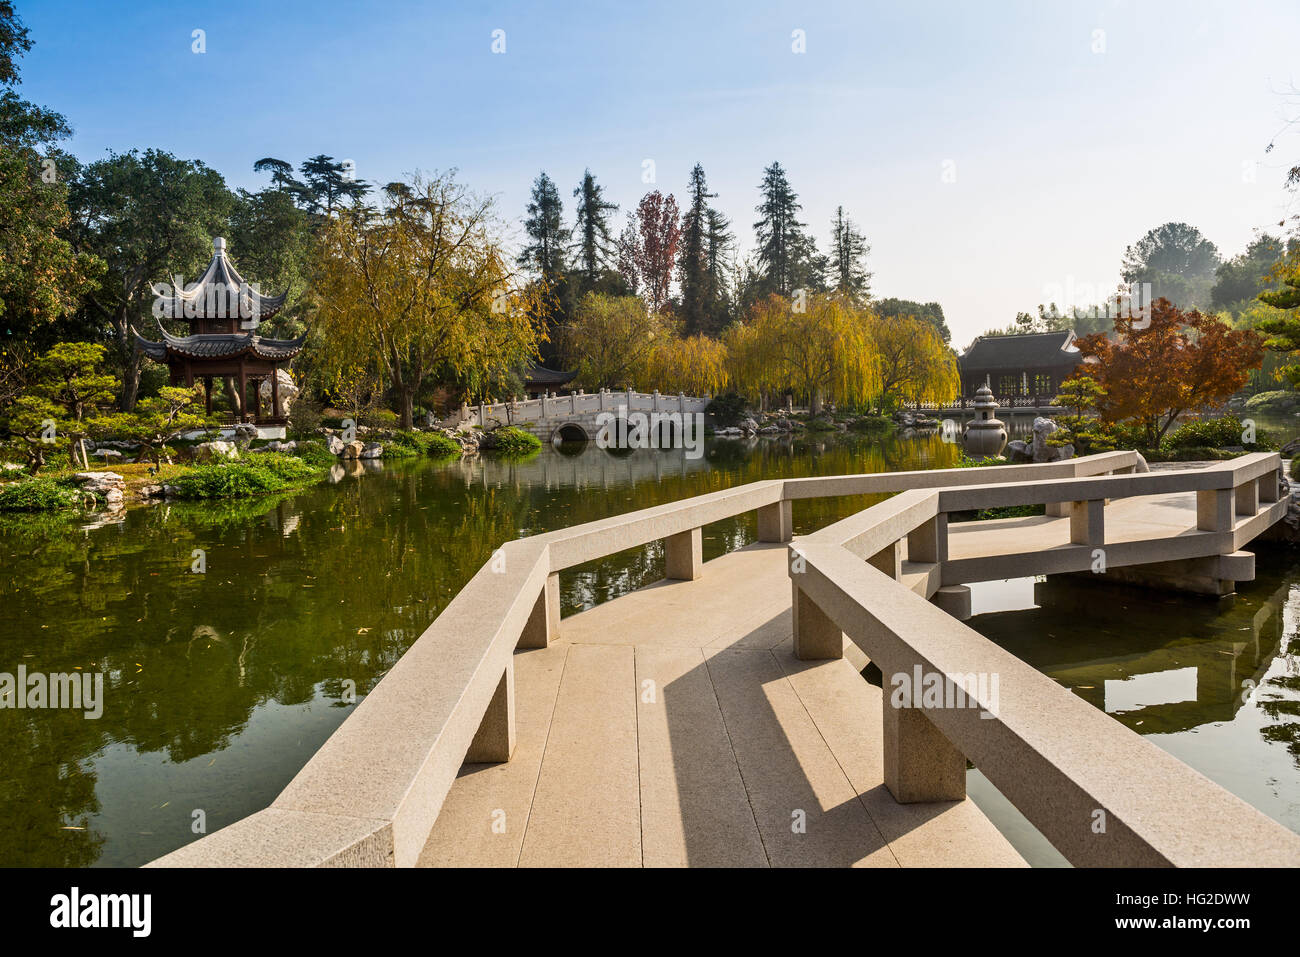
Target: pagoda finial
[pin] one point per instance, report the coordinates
(218, 246)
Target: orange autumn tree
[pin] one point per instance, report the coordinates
(1177, 362)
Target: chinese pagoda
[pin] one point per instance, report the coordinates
(224, 312)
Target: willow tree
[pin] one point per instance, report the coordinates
(913, 360)
(822, 352)
(610, 340)
(695, 365)
(418, 289)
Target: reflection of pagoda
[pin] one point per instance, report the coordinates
(224, 312)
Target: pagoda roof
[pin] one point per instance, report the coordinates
(226, 345)
(538, 375)
(1024, 351)
(211, 296)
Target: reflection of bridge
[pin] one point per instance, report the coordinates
(573, 417)
(719, 717)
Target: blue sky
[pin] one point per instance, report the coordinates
(1060, 144)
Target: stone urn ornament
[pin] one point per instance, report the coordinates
(985, 435)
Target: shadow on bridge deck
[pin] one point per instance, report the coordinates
(674, 726)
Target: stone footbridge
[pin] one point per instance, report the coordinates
(722, 717)
(577, 417)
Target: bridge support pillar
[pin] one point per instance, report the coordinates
(775, 522)
(955, 600)
(685, 555)
(920, 763)
(543, 625)
(494, 741)
(1087, 523)
(816, 636)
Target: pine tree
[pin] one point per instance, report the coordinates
(717, 243)
(786, 256)
(545, 254)
(595, 246)
(848, 249)
(692, 264)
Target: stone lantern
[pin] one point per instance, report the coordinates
(985, 435)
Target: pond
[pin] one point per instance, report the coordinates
(234, 638)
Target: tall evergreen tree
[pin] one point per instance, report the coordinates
(692, 263)
(787, 257)
(545, 253)
(717, 244)
(595, 245)
(848, 249)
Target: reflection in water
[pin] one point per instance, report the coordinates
(219, 686)
(1214, 682)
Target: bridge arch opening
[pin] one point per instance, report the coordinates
(570, 438)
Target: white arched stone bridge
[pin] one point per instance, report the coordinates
(577, 417)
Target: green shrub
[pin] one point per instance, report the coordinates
(1280, 400)
(1228, 431)
(39, 495)
(315, 453)
(266, 472)
(821, 425)
(442, 447)
(515, 441)
(411, 444)
(727, 409)
(872, 424)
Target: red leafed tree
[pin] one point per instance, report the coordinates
(650, 249)
(1177, 362)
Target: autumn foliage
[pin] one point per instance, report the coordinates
(1176, 362)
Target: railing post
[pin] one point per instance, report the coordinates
(816, 636)
(1214, 509)
(889, 560)
(1247, 496)
(921, 764)
(928, 542)
(684, 555)
(543, 625)
(1088, 523)
(775, 522)
(1269, 488)
(494, 741)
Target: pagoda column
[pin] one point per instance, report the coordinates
(243, 391)
(275, 393)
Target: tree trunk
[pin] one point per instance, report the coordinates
(408, 409)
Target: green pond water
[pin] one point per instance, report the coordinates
(218, 686)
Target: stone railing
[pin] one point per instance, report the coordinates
(372, 792)
(576, 404)
(1100, 793)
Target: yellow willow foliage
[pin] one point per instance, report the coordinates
(610, 341)
(822, 353)
(696, 366)
(420, 289)
(913, 361)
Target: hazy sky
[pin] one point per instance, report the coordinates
(989, 151)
